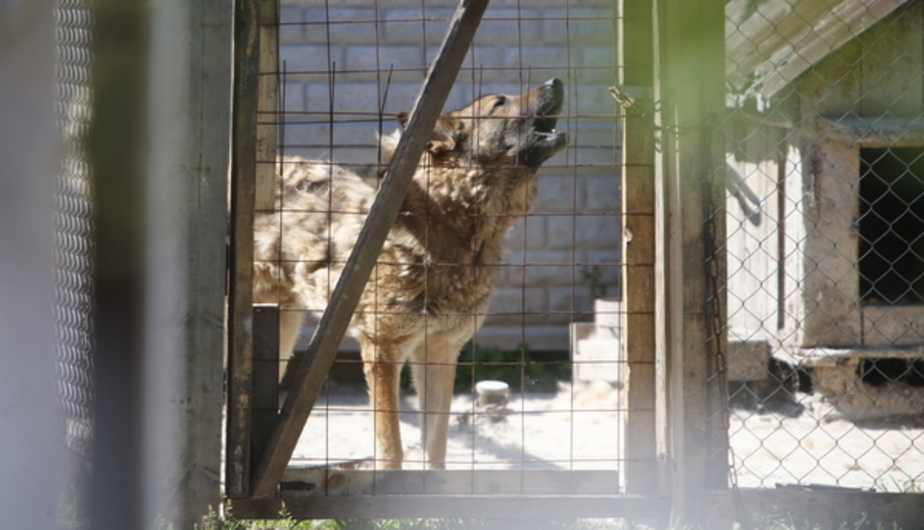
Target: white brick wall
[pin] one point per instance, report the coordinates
(574, 225)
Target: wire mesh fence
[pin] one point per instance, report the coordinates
(824, 224)
(344, 74)
(73, 220)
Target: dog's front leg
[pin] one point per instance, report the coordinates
(434, 371)
(435, 403)
(383, 378)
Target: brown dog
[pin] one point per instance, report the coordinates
(430, 289)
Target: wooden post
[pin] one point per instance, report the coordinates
(689, 192)
(265, 409)
(267, 106)
(240, 298)
(638, 344)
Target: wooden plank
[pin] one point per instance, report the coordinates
(638, 252)
(537, 508)
(690, 192)
(265, 410)
(813, 507)
(267, 106)
(323, 348)
(332, 482)
(903, 131)
(240, 296)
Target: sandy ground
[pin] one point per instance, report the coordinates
(821, 447)
(579, 429)
(539, 431)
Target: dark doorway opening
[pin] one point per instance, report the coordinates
(892, 226)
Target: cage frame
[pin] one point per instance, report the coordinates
(679, 366)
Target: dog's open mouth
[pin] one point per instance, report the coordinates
(545, 141)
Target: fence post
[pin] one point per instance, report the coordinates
(240, 297)
(634, 94)
(689, 95)
(201, 180)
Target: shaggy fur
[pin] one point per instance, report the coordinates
(430, 289)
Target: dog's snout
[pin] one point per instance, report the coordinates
(554, 83)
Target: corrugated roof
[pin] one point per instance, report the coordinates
(770, 42)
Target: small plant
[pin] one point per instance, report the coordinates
(594, 278)
(214, 521)
(519, 368)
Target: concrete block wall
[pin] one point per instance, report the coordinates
(350, 67)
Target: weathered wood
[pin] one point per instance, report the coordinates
(265, 410)
(890, 65)
(638, 344)
(776, 44)
(690, 194)
(907, 131)
(830, 287)
(451, 506)
(240, 296)
(331, 482)
(336, 318)
(807, 507)
(267, 106)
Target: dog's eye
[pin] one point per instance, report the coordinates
(501, 100)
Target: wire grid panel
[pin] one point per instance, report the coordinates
(824, 202)
(73, 221)
(345, 73)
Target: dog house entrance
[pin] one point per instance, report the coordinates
(892, 226)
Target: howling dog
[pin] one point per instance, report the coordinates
(431, 285)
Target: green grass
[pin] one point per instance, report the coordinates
(519, 368)
(522, 370)
(287, 523)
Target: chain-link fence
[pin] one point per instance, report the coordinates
(74, 217)
(825, 256)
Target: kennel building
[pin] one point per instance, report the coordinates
(823, 235)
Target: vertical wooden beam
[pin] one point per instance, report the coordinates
(265, 409)
(689, 190)
(240, 298)
(267, 106)
(326, 340)
(636, 77)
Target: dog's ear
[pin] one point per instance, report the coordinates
(443, 139)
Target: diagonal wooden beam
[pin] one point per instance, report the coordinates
(323, 348)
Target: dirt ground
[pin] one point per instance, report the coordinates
(536, 431)
(578, 429)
